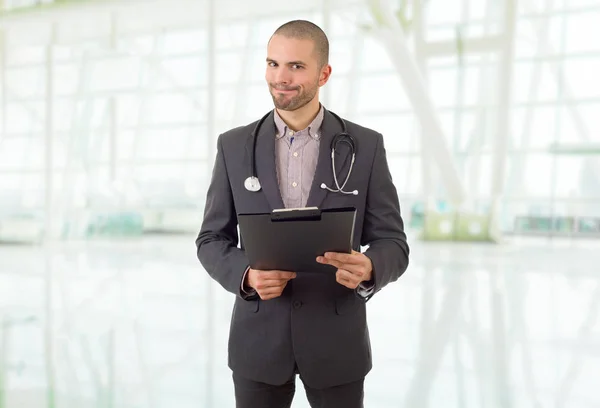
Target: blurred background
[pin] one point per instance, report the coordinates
(109, 114)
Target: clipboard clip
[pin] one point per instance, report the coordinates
(296, 214)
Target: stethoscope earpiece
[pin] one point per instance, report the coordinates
(253, 184)
(324, 187)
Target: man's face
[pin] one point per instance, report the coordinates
(293, 72)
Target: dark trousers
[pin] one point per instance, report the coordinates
(252, 394)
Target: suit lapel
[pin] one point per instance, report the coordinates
(323, 172)
(265, 162)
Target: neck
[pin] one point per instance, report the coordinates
(299, 119)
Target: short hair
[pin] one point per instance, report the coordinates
(305, 30)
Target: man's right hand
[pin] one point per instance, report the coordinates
(268, 284)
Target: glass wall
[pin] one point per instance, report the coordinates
(110, 108)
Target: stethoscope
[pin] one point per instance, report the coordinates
(253, 184)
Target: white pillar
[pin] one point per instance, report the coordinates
(48, 224)
(48, 136)
(392, 36)
(211, 137)
(426, 157)
(502, 137)
(112, 111)
(3, 83)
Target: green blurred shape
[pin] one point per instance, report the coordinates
(473, 227)
(438, 226)
(575, 148)
(533, 224)
(456, 226)
(51, 402)
(589, 225)
(115, 224)
(564, 224)
(417, 216)
(545, 224)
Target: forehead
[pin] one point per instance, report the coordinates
(286, 48)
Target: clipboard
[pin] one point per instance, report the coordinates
(291, 239)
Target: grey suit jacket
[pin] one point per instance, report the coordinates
(316, 326)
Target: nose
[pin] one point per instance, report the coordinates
(282, 77)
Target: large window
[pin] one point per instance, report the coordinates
(129, 100)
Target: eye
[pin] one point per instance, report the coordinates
(272, 64)
(296, 66)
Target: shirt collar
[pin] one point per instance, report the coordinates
(314, 128)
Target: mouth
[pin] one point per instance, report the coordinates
(283, 91)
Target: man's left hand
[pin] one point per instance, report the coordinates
(353, 268)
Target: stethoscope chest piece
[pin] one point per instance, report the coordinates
(252, 184)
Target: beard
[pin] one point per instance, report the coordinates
(292, 102)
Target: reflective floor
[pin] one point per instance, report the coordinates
(137, 323)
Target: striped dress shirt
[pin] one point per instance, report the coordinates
(296, 154)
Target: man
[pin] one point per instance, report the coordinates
(286, 323)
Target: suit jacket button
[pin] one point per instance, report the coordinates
(297, 304)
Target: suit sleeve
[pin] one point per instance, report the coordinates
(218, 238)
(383, 228)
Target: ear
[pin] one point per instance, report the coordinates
(325, 74)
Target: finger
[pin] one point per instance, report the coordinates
(271, 283)
(272, 280)
(357, 269)
(354, 258)
(347, 279)
(328, 261)
(342, 259)
(277, 284)
(278, 275)
(270, 293)
(269, 296)
(286, 275)
(347, 275)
